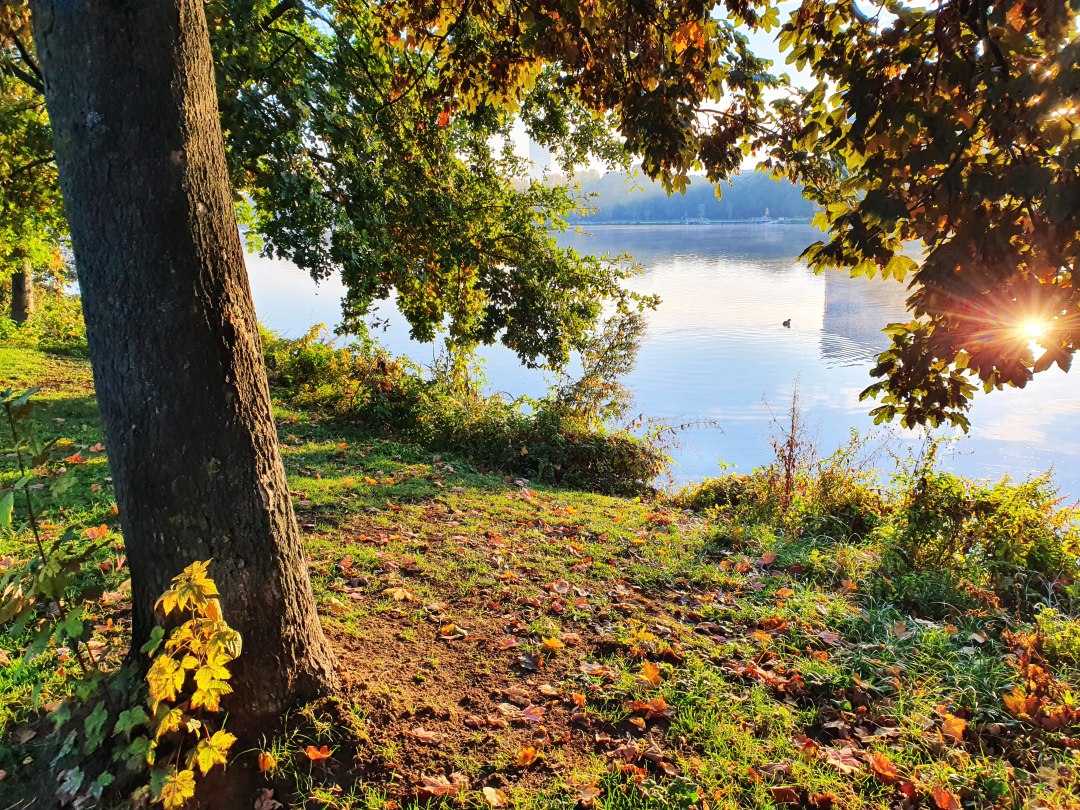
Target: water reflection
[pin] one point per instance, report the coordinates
(717, 349)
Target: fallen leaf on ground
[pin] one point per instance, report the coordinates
(528, 756)
(650, 674)
(432, 787)
(945, 800)
(318, 754)
(953, 727)
(883, 768)
(494, 797)
(423, 735)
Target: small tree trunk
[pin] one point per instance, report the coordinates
(22, 294)
(173, 340)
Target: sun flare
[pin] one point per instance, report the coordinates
(1033, 329)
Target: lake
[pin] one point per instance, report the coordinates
(717, 353)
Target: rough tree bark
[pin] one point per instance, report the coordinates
(22, 293)
(172, 334)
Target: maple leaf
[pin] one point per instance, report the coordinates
(178, 788)
(944, 799)
(533, 714)
(449, 632)
(211, 752)
(883, 768)
(318, 754)
(652, 709)
(1018, 703)
(266, 800)
(444, 118)
(423, 735)
(76, 458)
(553, 644)
(96, 532)
(650, 674)
(900, 631)
(588, 794)
(494, 797)
(165, 679)
(843, 759)
(528, 756)
(432, 787)
(400, 594)
(953, 727)
(267, 761)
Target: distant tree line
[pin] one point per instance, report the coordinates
(626, 198)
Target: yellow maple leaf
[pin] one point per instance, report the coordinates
(650, 674)
(178, 788)
(165, 679)
(211, 752)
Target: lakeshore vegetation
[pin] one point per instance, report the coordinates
(247, 571)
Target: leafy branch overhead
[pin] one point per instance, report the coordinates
(364, 137)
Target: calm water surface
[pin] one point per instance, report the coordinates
(717, 352)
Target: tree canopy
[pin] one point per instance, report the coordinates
(365, 138)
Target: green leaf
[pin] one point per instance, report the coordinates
(7, 507)
(129, 719)
(94, 726)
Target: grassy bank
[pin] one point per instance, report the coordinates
(802, 640)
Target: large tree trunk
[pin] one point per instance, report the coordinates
(22, 293)
(172, 334)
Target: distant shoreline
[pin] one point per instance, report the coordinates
(696, 224)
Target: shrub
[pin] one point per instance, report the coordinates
(539, 439)
(55, 326)
(1005, 541)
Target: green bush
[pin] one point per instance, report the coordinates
(363, 383)
(56, 326)
(1007, 542)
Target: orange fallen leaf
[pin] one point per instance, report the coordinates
(75, 458)
(318, 754)
(528, 756)
(96, 532)
(945, 800)
(553, 644)
(784, 593)
(883, 768)
(400, 594)
(953, 727)
(267, 761)
(494, 797)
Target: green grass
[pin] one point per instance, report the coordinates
(781, 676)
